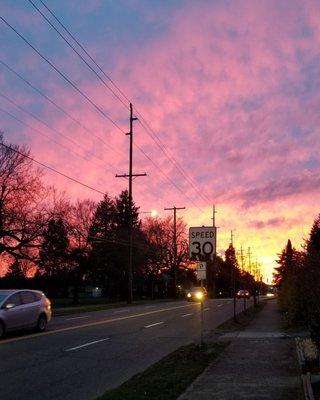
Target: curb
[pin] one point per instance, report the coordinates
(305, 376)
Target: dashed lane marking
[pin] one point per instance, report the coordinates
(151, 325)
(96, 323)
(87, 344)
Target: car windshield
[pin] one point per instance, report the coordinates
(2, 297)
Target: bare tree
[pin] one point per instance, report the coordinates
(159, 233)
(79, 224)
(22, 203)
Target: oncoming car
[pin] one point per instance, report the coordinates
(243, 294)
(197, 294)
(23, 309)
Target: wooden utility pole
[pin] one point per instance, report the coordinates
(233, 284)
(249, 259)
(131, 175)
(175, 251)
(241, 258)
(213, 294)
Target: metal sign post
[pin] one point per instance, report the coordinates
(201, 317)
(201, 274)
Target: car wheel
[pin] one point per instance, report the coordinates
(42, 323)
(2, 330)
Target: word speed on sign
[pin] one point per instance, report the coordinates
(202, 241)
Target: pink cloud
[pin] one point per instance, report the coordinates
(231, 90)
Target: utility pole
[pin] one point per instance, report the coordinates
(241, 258)
(233, 284)
(243, 270)
(130, 176)
(249, 259)
(175, 246)
(214, 212)
(215, 252)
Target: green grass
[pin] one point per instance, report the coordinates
(97, 305)
(169, 377)
(243, 319)
(67, 301)
(316, 390)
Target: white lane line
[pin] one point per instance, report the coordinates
(96, 323)
(120, 311)
(186, 315)
(206, 309)
(73, 318)
(157, 323)
(219, 305)
(87, 344)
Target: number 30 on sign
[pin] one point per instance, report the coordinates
(202, 241)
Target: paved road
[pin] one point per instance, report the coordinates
(83, 355)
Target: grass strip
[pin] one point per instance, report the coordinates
(243, 319)
(169, 377)
(83, 308)
(316, 390)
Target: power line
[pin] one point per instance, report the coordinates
(85, 51)
(159, 143)
(47, 98)
(51, 169)
(49, 127)
(72, 47)
(62, 75)
(166, 152)
(168, 178)
(51, 101)
(142, 121)
(50, 138)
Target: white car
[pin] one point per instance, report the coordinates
(23, 309)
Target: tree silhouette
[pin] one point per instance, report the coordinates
(54, 251)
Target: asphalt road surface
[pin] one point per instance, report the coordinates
(80, 356)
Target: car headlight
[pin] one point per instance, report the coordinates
(199, 295)
(189, 295)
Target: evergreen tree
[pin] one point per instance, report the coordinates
(286, 264)
(102, 238)
(122, 217)
(54, 249)
(287, 278)
(313, 243)
(232, 268)
(139, 240)
(310, 281)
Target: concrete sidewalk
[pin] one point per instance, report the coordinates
(260, 363)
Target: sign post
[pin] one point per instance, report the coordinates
(201, 275)
(202, 244)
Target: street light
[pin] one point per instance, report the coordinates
(153, 213)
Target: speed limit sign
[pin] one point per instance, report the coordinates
(202, 241)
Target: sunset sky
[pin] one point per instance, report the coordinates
(229, 97)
